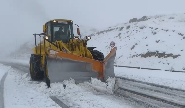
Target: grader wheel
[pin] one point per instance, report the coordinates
(35, 68)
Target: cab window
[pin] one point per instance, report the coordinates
(49, 31)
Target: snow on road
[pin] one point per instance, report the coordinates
(20, 96)
(166, 78)
(21, 92)
(3, 70)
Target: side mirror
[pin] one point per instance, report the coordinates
(78, 31)
(46, 37)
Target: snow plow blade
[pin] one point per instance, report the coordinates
(109, 64)
(63, 66)
(60, 69)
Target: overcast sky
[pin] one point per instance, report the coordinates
(21, 18)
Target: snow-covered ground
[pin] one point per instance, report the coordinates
(152, 42)
(166, 78)
(21, 96)
(21, 92)
(171, 79)
(18, 96)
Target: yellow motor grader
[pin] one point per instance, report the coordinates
(59, 55)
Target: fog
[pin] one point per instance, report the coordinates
(21, 18)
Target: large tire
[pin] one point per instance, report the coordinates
(35, 67)
(97, 55)
(32, 73)
(47, 80)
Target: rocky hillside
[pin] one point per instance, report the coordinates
(152, 42)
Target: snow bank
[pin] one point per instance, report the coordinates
(3, 70)
(107, 87)
(171, 79)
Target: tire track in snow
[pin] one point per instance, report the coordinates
(59, 102)
(151, 84)
(2, 90)
(151, 93)
(147, 96)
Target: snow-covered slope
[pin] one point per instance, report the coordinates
(153, 42)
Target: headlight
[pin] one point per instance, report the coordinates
(46, 37)
(88, 37)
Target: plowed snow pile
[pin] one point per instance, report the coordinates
(152, 42)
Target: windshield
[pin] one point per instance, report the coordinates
(62, 32)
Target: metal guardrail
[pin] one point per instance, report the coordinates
(149, 68)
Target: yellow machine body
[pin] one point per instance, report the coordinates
(59, 60)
